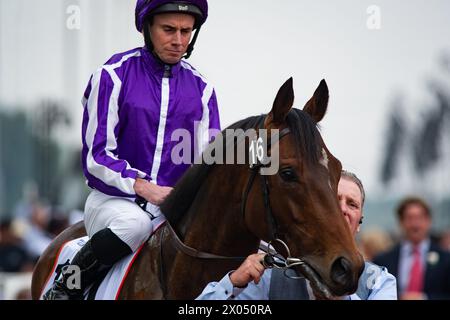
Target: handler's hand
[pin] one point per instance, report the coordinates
(151, 192)
(250, 269)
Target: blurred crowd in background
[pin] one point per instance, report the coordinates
(24, 236)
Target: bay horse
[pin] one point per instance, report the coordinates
(218, 213)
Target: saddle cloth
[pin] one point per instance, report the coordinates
(111, 285)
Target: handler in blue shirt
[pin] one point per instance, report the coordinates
(251, 281)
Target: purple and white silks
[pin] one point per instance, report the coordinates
(130, 112)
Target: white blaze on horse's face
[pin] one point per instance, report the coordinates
(324, 162)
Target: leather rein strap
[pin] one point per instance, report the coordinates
(194, 253)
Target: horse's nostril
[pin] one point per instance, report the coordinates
(340, 271)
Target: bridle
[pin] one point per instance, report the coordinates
(272, 258)
(255, 170)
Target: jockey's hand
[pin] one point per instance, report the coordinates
(250, 269)
(151, 192)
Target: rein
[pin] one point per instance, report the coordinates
(194, 253)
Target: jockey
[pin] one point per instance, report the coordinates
(132, 105)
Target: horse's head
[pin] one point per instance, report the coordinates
(303, 198)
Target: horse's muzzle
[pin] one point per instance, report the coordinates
(342, 274)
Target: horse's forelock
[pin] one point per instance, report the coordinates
(306, 135)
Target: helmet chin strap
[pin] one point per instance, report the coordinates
(147, 38)
(192, 44)
(149, 44)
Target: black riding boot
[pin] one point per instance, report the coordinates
(98, 254)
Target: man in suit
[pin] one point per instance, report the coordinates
(420, 266)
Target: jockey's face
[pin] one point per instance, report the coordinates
(171, 34)
(350, 201)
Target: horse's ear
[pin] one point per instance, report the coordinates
(283, 103)
(316, 107)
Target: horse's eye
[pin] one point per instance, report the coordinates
(288, 174)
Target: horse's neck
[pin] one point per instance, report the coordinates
(215, 222)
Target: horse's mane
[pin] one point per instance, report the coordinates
(307, 138)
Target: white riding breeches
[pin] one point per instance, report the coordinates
(121, 215)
